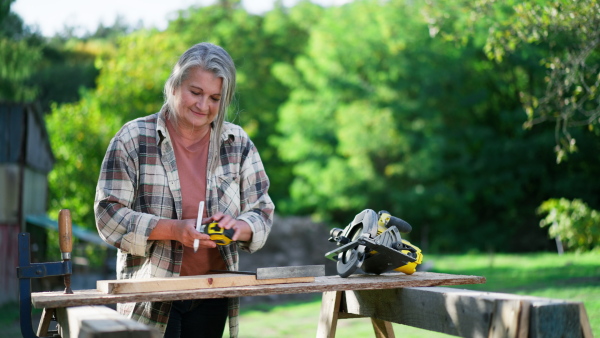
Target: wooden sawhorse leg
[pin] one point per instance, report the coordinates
(332, 309)
(44, 325)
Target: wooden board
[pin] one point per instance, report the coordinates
(100, 322)
(468, 313)
(394, 280)
(190, 283)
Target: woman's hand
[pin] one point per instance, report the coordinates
(243, 232)
(187, 234)
(183, 231)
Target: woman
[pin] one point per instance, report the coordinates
(156, 171)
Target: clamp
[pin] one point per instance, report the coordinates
(27, 270)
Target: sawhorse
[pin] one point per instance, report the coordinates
(333, 308)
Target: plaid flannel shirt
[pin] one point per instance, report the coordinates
(139, 184)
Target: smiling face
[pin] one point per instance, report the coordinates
(198, 99)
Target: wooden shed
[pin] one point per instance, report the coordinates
(25, 161)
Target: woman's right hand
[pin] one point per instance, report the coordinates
(187, 234)
(183, 231)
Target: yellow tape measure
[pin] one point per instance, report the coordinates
(220, 235)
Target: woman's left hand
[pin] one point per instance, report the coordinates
(243, 232)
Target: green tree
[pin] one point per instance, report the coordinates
(257, 44)
(18, 57)
(573, 222)
(567, 32)
(80, 131)
(570, 31)
(131, 81)
(389, 110)
(35, 68)
(64, 69)
(385, 105)
(79, 134)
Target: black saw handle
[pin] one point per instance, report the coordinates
(399, 223)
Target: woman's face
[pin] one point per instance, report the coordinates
(198, 99)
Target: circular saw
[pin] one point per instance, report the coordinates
(372, 242)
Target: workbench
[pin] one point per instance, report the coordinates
(58, 299)
(415, 300)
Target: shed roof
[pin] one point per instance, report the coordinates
(78, 231)
(23, 136)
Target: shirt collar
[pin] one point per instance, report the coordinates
(161, 128)
(226, 134)
(161, 125)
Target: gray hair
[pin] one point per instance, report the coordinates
(216, 60)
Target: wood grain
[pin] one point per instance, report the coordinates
(99, 322)
(190, 283)
(394, 280)
(330, 306)
(44, 324)
(383, 329)
(468, 313)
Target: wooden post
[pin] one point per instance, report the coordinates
(383, 329)
(45, 322)
(330, 309)
(585, 322)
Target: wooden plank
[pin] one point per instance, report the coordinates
(555, 319)
(330, 308)
(505, 319)
(99, 322)
(467, 313)
(114, 328)
(57, 299)
(446, 312)
(524, 319)
(190, 283)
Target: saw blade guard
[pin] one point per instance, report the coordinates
(371, 242)
(352, 258)
(365, 223)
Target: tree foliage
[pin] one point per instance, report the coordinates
(573, 222)
(131, 80)
(566, 33)
(18, 57)
(386, 111)
(79, 137)
(412, 107)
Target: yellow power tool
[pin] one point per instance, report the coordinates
(372, 242)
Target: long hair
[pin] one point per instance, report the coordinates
(216, 60)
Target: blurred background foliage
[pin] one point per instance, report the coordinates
(462, 117)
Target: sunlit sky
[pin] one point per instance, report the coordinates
(51, 16)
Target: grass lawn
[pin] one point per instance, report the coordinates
(570, 276)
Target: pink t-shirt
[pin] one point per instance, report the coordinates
(191, 166)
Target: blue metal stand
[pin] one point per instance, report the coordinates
(27, 270)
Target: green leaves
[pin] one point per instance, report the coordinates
(566, 34)
(572, 222)
(79, 135)
(131, 81)
(412, 107)
(17, 63)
